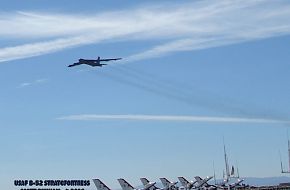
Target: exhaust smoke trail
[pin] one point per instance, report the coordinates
(191, 95)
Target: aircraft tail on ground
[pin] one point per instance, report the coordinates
(168, 185)
(144, 181)
(198, 179)
(202, 182)
(100, 185)
(183, 181)
(165, 182)
(147, 184)
(125, 185)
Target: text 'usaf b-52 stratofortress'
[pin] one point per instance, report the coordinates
(93, 62)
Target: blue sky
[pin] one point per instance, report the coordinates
(192, 73)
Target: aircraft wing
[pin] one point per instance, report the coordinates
(237, 183)
(75, 64)
(166, 183)
(115, 59)
(202, 182)
(150, 186)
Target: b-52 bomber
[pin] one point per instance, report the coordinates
(93, 62)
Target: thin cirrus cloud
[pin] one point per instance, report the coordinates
(32, 83)
(171, 118)
(185, 27)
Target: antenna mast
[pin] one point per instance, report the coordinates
(214, 174)
(226, 163)
(281, 164)
(238, 173)
(288, 155)
(286, 171)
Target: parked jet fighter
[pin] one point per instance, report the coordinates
(146, 182)
(227, 186)
(198, 184)
(202, 183)
(168, 185)
(187, 184)
(126, 186)
(93, 62)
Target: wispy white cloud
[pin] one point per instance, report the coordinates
(40, 48)
(170, 118)
(35, 82)
(186, 27)
(24, 84)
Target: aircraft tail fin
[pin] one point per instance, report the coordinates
(183, 181)
(100, 185)
(233, 171)
(204, 181)
(147, 184)
(125, 185)
(165, 182)
(144, 181)
(198, 179)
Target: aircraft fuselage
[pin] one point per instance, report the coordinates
(93, 62)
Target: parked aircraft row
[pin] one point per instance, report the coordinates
(198, 183)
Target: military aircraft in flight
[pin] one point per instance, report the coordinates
(93, 62)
